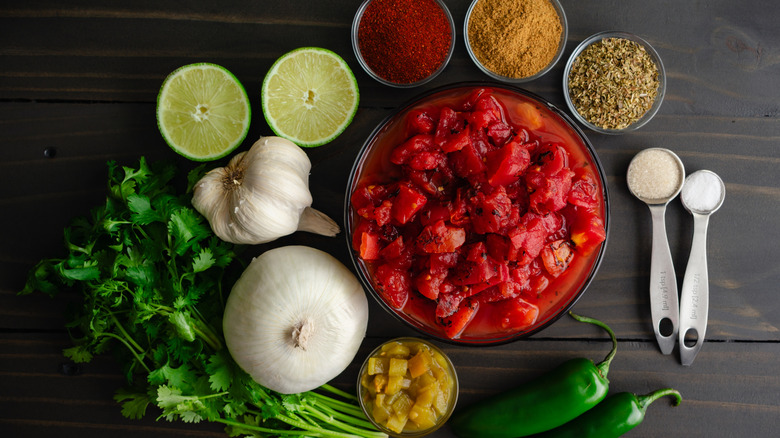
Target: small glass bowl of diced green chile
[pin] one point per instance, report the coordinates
(407, 387)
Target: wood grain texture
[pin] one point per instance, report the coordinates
(80, 79)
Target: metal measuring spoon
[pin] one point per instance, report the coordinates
(702, 195)
(655, 176)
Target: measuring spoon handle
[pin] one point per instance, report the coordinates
(694, 298)
(663, 284)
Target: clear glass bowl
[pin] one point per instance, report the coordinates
(661, 81)
(373, 159)
(449, 369)
(367, 69)
(493, 75)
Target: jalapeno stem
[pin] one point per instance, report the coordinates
(645, 400)
(603, 367)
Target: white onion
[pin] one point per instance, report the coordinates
(295, 319)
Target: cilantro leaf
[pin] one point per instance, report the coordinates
(220, 370)
(133, 403)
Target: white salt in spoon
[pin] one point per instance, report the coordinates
(655, 176)
(702, 195)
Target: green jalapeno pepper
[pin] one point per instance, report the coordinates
(611, 418)
(549, 401)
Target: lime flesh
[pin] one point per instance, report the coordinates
(203, 111)
(309, 96)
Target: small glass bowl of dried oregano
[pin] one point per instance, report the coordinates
(614, 82)
(515, 41)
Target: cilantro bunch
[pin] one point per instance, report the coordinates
(151, 273)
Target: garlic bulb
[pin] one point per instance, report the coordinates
(295, 319)
(261, 195)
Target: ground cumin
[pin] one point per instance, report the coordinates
(514, 38)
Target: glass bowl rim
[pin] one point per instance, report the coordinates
(495, 76)
(358, 55)
(661, 79)
(450, 406)
(416, 325)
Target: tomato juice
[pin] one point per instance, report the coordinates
(477, 213)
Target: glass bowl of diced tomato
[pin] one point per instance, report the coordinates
(477, 213)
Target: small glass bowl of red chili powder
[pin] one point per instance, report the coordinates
(403, 43)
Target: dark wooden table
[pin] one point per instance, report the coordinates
(78, 83)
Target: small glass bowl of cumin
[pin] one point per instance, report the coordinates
(505, 49)
(614, 82)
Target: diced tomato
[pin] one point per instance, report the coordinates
(438, 238)
(369, 246)
(368, 195)
(506, 165)
(454, 324)
(430, 284)
(466, 162)
(383, 213)
(499, 132)
(517, 314)
(476, 252)
(487, 103)
(393, 284)
(491, 212)
(528, 239)
(433, 212)
(407, 204)
(421, 122)
(551, 194)
(587, 232)
(411, 147)
(450, 123)
(457, 140)
(394, 249)
(357, 235)
(584, 190)
(441, 262)
(551, 159)
(426, 160)
(556, 257)
(497, 246)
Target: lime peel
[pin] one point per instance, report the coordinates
(309, 96)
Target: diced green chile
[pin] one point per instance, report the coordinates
(611, 418)
(547, 402)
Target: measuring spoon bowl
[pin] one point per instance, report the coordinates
(655, 176)
(701, 200)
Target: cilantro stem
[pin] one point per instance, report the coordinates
(329, 419)
(279, 432)
(337, 404)
(348, 417)
(129, 347)
(338, 392)
(126, 335)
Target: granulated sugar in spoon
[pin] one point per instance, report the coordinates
(702, 195)
(655, 176)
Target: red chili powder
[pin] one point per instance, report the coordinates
(404, 41)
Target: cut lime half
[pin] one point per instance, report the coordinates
(203, 111)
(309, 96)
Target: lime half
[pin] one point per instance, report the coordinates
(309, 96)
(203, 111)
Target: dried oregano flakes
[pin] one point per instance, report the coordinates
(613, 83)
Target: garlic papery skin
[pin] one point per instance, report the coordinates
(295, 319)
(261, 195)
